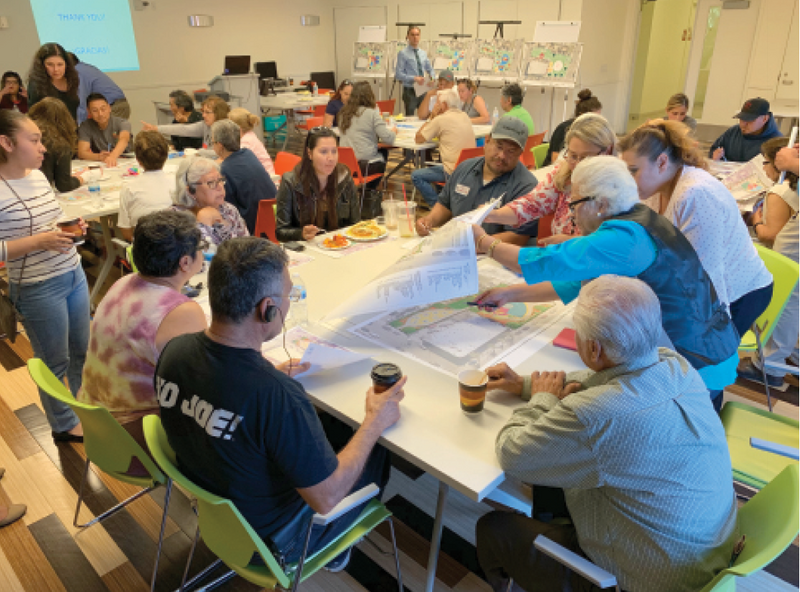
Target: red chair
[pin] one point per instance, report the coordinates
(545, 228)
(319, 114)
(527, 157)
(466, 154)
(385, 106)
(265, 221)
(285, 162)
(348, 158)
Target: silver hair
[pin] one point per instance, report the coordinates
(606, 178)
(190, 171)
(622, 314)
(227, 133)
(449, 96)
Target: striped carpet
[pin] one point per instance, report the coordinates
(44, 552)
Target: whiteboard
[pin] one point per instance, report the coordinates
(557, 31)
(372, 33)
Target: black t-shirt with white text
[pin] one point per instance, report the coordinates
(241, 429)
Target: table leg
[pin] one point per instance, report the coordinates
(289, 129)
(436, 539)
(111, 254)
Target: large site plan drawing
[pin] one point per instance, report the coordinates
(452, 335)
(550, 63)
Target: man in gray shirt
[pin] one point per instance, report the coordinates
(635, 449)
(103, 137)
(498, 174)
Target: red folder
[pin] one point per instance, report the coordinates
(566, 339)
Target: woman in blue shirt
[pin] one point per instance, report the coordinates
(337, 102)
(623, 237)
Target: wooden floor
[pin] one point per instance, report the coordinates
(44, 552)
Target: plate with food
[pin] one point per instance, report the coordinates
(366, 231)
(335, 242)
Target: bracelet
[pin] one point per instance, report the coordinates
(483, 236)
(490, 250)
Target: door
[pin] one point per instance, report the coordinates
(787, 91)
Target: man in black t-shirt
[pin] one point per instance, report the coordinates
(244, 429)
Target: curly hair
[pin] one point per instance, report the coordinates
(56, 124)
(362, 96)
(39, 81)
(658, 137)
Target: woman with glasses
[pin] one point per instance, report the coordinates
(201, 192)
(621, 236)
(670, 173)
(214, 109)
(318, 194)
(471, 104)
(361, 128)
(337, 103)
(590, 135)
(139, 315)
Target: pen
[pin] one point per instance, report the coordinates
(487, 305)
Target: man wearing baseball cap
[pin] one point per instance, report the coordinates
(446, 80)
(498, 174)
(742, 142)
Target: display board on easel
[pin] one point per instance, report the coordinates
(452, 54)
(550, 64)
(496, 59)
(371, 59)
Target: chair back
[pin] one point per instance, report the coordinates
(769, 523)
(545, 227)
(467, 153)
(285, 162)
(315, 121)
(785, 275)
(106, 442)
(527, 157)
(129, 258)
(539, 154)
(225, 532)
(347, 156)
(386, 106)
(265, 220)
(319, 111)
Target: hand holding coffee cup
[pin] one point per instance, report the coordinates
(472, 390)
(74, 227)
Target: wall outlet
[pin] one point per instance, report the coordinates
(3, 22)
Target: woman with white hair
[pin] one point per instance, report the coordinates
(201, 192)
(590, 135)
(623, 237)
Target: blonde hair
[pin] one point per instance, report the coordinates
(664, 137)
(677, 100)
(593, 129)
(243, 118)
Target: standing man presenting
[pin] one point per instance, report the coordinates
(412, 64)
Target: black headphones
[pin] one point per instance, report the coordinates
(269, 313)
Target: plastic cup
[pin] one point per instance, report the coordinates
(390, 214)
(72, 226)
(472, 390)
(407, 218)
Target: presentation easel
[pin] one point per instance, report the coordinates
(552, 59)
(371, 60)
(452, 54)
(496, 60)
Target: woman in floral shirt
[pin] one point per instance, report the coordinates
(590, 135)
(201, 192)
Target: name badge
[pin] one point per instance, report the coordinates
(462, 189)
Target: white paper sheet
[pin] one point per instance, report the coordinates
(484, 65)
(326, 358)
(362, 63)
(441, 267)
(421, 89)
(478, 215)
(441, 63)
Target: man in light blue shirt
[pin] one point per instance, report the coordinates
(412, 65)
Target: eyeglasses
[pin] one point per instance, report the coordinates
(213, 184)
(202, 245)
(320, 129)
(571, 157)
(206, 112)
(294, 294)
(345, 82)
(573, 204)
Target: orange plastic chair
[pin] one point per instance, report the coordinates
(319, 114)
(466, 154)
(285, 162)
(545, 227)
(265, 221)
(527, 157)
(348, 158)
(386, 106)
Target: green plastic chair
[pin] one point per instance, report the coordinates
(231, 538)
(540, 153)
(109, 447)
(769, 522)
(753, 467)
(785, 274)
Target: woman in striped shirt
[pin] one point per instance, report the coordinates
(47, 282)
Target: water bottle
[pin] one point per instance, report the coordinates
(299, 309)
(208, 255)
(316, 88)
(495, 116)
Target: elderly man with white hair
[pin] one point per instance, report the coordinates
(454, 129)
(247, 180)
(624, 237)
(634, 444)
(201, 192)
